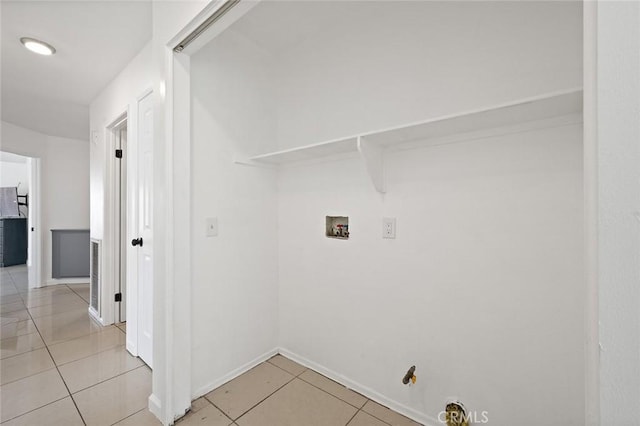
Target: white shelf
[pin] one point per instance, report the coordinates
(372, 145)
(527, 110)
(309, 152)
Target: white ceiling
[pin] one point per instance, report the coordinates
(94, 42)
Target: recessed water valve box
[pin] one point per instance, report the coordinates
(337, 227)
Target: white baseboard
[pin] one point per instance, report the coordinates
(155, 407)
(94, 315)
(368, 392)
(233, 374)
(56, 281)
(345, 381)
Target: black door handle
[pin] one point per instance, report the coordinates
(136, 242)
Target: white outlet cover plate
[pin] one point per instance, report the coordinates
(388, 227)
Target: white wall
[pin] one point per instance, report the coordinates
(64, 188)
(234, 275)
(117, 98)
(398, 63)
(15, 174)
(618, 103)
(483, 288)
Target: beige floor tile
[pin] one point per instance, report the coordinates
(299, 403)
(10, 298)
(25, 365)
(199, 404)
(141, 418)
(387, 415)
(122, 326)
(364, 419)
(59, 296)
(81, 290)
(335, 389)
(66, 326)
(17, 328)
(84, 294)
(19, 275)
(97, 368)
(7, 291)
(20, 344)
(40, 291)
(11, 307)
(245, 391)
(30, 393)
(287, 365)
(75, 304)
(208, 415)
(78, 287)
(14, 316)
(115, 399)
(86, 345)
(58, 413)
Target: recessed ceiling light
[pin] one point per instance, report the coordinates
(38, 46)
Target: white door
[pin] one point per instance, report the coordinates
(144, 239)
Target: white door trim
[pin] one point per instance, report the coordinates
(172, 393)
(110, 267)
(590, 176)
(34, 267)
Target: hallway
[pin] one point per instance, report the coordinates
(58, 366)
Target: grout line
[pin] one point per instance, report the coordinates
(225, 414)
(33, 374)
(106, 380)
(88, 356)
(125, 418)
(294, 375)
(77, 337)
(31, 350)
(31, 411)
(262, 400)
(336, 396)
(323, 390)
(77, 294)
(353, 417)
(378, 418)
(58, 370)
(131, 415)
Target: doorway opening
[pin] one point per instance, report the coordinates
(20, 239)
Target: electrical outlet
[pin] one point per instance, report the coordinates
(212, 227)
(388, 227)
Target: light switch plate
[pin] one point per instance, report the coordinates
(212, 226)
(388, 227)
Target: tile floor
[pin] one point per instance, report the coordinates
(60, 368)
(57, 366)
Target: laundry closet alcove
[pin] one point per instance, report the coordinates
(461, 120)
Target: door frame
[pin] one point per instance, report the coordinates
(172, 393)
(110, 261)
(116, 216)
(172, 375)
